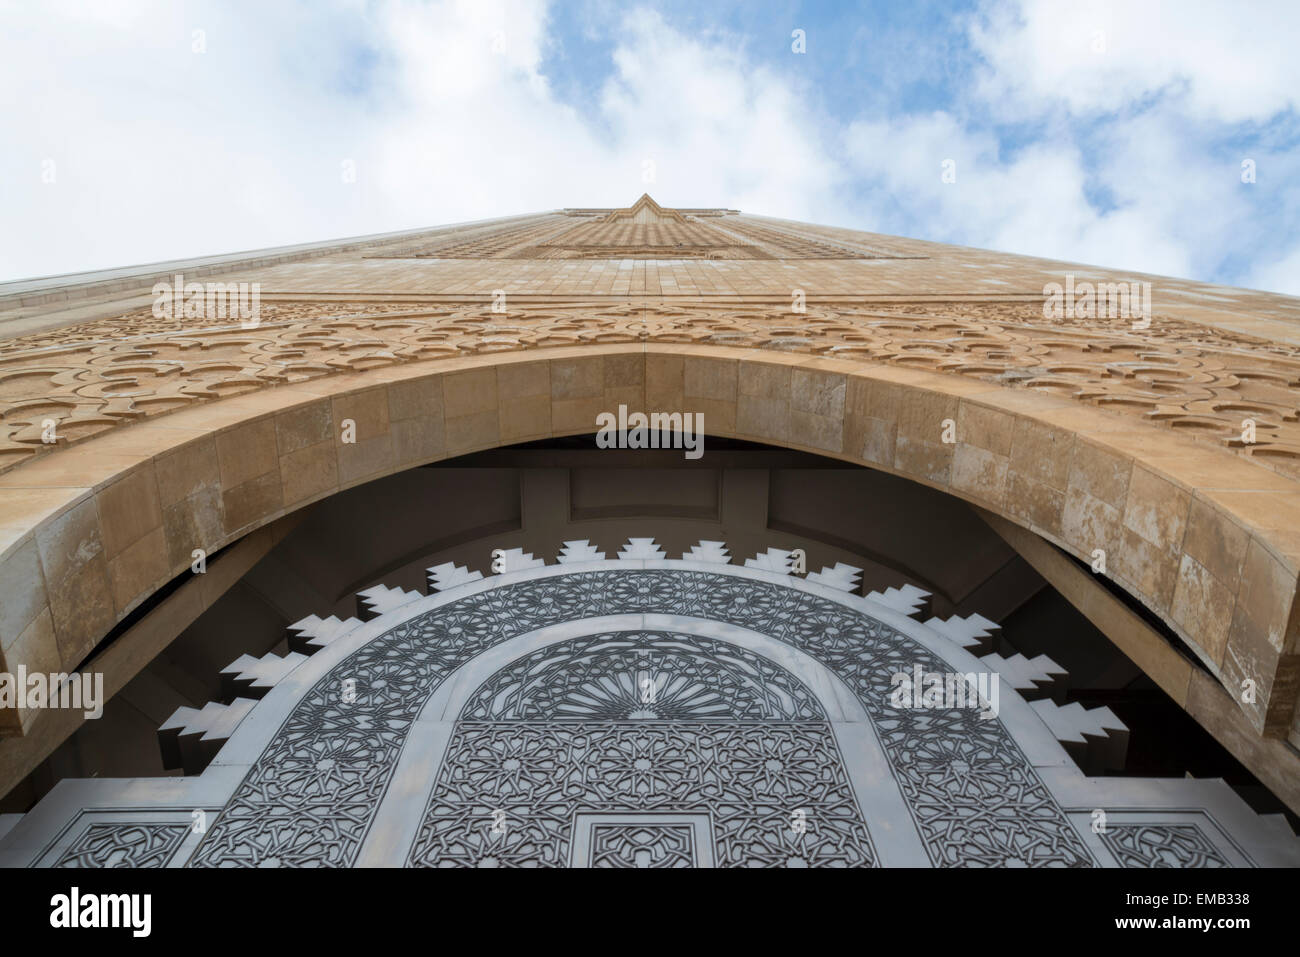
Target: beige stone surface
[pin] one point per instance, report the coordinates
(930, 362)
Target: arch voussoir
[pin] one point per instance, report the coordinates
(1202, 538)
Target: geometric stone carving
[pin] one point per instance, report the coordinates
(773, 560)
(515, 560)
(1094, 737)
(1035, 677)
(380, 599)
(641, 677)
(124, 845)
(450, 575)
(83, 373)
(661, 845)
(907, 600)
(644, 744)
(1161, 845)
(1189, 380)
(191, 738)
(579, 551)
(706, 551)
(1190, 375)
(975, 633)
(751, 781)
(600, 723)
(249, 677)
(641, 549)
(313, 633)
(968, 811)
(843, 577)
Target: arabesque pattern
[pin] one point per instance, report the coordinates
(649, 722)
(976, 800)
(124, 845)
(1196, 380)
(752, 780)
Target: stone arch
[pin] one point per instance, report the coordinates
(314, 786)
(682, 748)
(642, 676)
(1202, 538)
(302, 775)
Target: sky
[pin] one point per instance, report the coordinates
(1139, 135)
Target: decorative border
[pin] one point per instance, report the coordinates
(314, 791)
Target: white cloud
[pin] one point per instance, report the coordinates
(1128, 166)
(1033, 204)
(445, 113)
(1226, 62)
(161, 152)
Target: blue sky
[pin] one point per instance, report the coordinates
(1095, 132)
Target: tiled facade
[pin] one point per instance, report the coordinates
(930, 362)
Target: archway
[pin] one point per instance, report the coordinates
(143, 499)
(311, 770)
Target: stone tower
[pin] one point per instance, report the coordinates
(902, 440)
